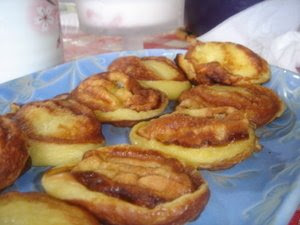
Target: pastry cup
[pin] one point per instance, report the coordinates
(58, 131)
(37, 208)
(217, 145)
(260, 104)
(119, 99)
(139, 186)
(223, 63)
(155, 72)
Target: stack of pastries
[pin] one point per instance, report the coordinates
(220, 103)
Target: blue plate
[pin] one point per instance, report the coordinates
(264, 189)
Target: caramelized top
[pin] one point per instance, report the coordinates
(13, 153)
(113, 90)
(141, 177)
(148, 68)
(225, 63)
(198, 128)
(59, 120)
(260, 103)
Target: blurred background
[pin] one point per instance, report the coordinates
(96, 26)
(64, 30)
(129, 24)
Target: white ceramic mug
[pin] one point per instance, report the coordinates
(30, 37)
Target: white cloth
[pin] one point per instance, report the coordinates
(270, 28)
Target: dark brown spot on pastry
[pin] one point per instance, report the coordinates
(191, 131)
(130, 193)
(223, 63)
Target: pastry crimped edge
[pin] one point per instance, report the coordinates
(53, 154)
(185, 208)
(36, 208)
(171, 88)
(129, 117)
(212, 157)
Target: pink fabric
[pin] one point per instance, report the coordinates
(81, 45)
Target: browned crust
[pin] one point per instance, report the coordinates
(214, 73)
(261, 104)
(133, 67)
(135, 152)
(123, 123)
(142, 154)
(97, 90)
(126, 123)
(13, 152)
(222, 137)
(198, 131)
(92, 127)
(179, 211)
(52, 203)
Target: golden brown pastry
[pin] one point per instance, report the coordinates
(130, 185)
(209, 138)
(119, 99)
(156, 72)
(58, 131)
(13, 152)
(40, 209)
(223, 63)
(261, 104)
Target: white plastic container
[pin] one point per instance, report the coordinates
(30, 37)
(129, 17)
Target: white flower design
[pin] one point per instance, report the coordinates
(44, 17)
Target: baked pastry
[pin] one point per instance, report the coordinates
(125, 184)
(13, 152)
(37, 208)
(59, 130)
(119, 99)
(208, 138)
(261, 104)
(156, 72)
(223, 63)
